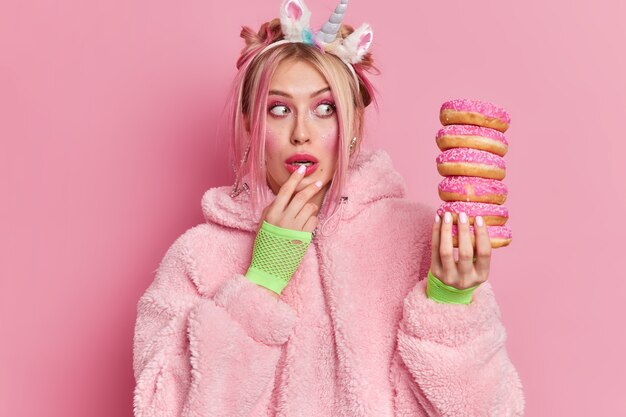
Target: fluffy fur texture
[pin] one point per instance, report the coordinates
(353, 334)
(295, 20)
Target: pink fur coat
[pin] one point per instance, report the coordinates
(353, 333)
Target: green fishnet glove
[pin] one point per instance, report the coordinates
(276, 257)
(445, 294)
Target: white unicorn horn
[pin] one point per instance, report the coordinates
(328, 33)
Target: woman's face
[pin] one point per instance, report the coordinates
(301, 126)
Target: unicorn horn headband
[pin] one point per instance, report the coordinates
(330, 29)
(294, 21)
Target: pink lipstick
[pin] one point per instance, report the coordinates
(294, 161)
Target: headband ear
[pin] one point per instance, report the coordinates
(294, 19)
(358, 43)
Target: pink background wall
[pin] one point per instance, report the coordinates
(109, 116)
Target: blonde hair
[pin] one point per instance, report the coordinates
(249, 100)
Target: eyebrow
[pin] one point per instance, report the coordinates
(281, 93)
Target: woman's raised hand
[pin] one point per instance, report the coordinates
(284, 234)
(293, 211)
(471, 268)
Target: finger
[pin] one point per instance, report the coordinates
(310, 224)
(305, 214)
(435, 260)
(301, 198)
(466, 252)
(483, 248)
(288, 188)
(446, 251)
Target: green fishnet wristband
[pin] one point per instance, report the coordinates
(276, 255)
(445, 294)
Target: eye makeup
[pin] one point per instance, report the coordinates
(275, 106)
(331, 109)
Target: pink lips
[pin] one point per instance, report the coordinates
(291, 167)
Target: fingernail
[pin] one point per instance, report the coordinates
(437, 218)
(447, 217)
(301, 169)
(463, 218)
(318, 183)
(479, 220)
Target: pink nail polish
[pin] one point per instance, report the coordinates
(463, 218)
(479, 220)
(437, 218)
(447, 217)
(318, 183)
(301, 169)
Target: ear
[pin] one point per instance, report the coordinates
(294, 18)
(358, 43)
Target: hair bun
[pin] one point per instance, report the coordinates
(268, 33)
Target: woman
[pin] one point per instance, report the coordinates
(302, 293)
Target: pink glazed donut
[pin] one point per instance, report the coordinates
(471, 162)
(482, 190)
(499, 236)
(474, 112)
(493, 214)
(468, 136)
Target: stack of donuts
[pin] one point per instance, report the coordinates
(473, 145)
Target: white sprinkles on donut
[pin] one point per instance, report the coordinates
(459, 184)
(470, 155)
(473, 209)
(476, 106)
(471, 130)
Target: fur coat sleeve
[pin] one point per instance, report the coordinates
(184, 339)
(451, 359)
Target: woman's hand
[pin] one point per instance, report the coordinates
(472, 268)
(291, 211)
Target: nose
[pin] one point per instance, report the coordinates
(301, 133)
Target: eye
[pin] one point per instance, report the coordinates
(325, 110)
(279, 110)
